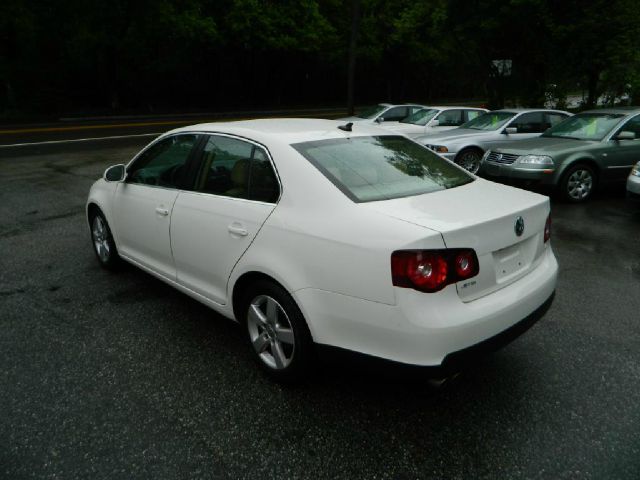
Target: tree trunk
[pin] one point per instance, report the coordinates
(592, 88)
(353, 44)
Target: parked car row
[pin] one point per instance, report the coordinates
(573, 154)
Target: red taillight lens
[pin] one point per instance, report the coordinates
(432, 270)
(547, 229)
(466, 264)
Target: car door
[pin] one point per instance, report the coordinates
(235, 191)
(621, 155)
(142, 204)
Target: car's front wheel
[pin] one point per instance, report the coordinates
(578, 183)
(103, 243)
(469, 159)
(277, 332)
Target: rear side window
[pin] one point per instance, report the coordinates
(395, 114)
(234, 168)
(450, 118)
(529, 123)
(381, 168)
(471, 114)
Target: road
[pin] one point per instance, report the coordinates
(118, 376)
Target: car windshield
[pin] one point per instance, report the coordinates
(585, 126)
(489, 121)
(382, 168)
(421, 117)
(371, 112)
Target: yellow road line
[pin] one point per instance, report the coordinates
(128, 125)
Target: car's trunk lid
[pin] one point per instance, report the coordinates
(480, 215)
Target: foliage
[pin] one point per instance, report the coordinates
(180, 54)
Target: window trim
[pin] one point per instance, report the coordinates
(198, 159)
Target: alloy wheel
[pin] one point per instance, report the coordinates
(270, 332)
(579, 184)
(100, 235)
(470, 160)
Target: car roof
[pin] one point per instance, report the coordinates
(526, 110)
(287, 130)
(455, 107)
(617, 110)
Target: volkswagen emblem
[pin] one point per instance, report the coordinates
(519, 226)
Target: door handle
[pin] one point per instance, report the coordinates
(162, 211)
(236, 229)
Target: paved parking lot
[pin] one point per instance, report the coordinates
(119, 376)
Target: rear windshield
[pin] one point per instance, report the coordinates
(382, 168)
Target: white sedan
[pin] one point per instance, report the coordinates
(433, 120)
(314, 233)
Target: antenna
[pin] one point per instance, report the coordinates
(347, 127)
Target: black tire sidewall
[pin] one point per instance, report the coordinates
(304, 352)
(565, 182)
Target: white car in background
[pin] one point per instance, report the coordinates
(433, 120)
(311, 233)
(384, 112)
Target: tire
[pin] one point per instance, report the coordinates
(276, 332)
(102, 240)
(469, 159)
(578, 183)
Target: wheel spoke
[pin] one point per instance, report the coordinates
(261, 343)
(278, 354)
(285, 335)
(256, 315)
(272, 311)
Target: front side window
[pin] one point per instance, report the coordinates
(234, 168)
(381, 168)
(633, 126)
(163, 164)
(421, 117)
(585, 126)
(532, 122)
(489, 121)
(450, 118)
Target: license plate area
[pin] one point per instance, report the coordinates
(514, 260)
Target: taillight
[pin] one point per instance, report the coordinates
(432, 270)
(547, 229)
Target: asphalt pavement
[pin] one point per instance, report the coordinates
(118, 376)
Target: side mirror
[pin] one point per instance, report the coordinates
(510, 130)
(434, 123)
(115, 173)
(379, 119)
(625, 135)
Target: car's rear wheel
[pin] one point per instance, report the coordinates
(469, 159)
(277, 332)
(103, 243)
(578, 183)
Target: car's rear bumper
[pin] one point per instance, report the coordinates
(428, 329)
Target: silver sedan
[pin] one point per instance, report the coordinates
(466, 145)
